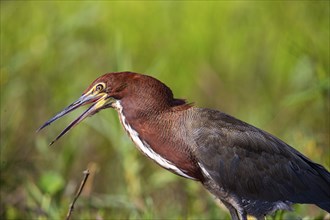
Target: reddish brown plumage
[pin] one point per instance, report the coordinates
(162, 132)
(145, 110)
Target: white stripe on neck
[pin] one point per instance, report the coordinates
(144, 147)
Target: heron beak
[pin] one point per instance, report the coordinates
(100, 101)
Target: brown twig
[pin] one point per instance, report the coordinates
(82, 184)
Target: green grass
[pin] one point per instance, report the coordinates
(264, 62)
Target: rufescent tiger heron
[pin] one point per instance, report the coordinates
(251, 171)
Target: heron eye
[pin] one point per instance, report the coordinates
(99, 87)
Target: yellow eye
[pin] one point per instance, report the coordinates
(99, 87)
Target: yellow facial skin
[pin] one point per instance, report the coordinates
(95, 96)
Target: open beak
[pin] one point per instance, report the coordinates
(100, 101)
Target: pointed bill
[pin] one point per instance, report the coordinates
(101, 100)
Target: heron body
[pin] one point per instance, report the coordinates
(251, 171)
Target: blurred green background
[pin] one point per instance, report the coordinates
(266, 63)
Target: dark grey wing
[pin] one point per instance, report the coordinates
(256, 165)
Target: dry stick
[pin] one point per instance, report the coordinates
(82, 184)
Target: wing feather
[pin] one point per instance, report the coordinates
(254, 164)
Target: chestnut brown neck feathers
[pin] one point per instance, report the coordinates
(151, 115)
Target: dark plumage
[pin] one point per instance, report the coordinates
(249, 170)
(257, 170)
